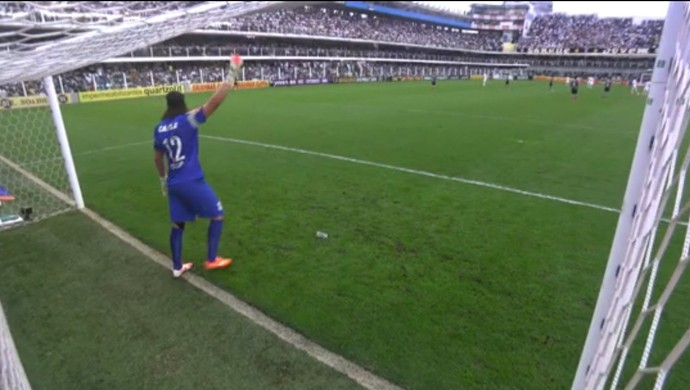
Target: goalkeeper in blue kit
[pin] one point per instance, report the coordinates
(176, 139)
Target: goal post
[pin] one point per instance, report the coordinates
(37, 175)
(655, 191)
(65, 149)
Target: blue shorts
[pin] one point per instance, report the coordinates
(193, 199)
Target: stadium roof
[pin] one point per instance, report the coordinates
(437, 6)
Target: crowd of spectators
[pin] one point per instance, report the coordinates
(333, 22)
(550, 31)
(588, 32)
(557, 31)
(226, 46)
(112, 76)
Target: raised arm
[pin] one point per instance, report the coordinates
(219, 96)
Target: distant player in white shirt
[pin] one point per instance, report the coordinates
(647, 87)
(634, 90)
(485, 79)
(590, 82)
(567, 80)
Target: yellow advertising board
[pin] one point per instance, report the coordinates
(31, 101)
(210, 87)
(116, 94)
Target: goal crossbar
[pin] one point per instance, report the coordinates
(28, 55)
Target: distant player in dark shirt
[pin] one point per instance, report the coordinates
(607, 87)
(551, 84)
(433, 82)
(574, 85)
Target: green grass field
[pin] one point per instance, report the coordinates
(91, 313)
(429, 282)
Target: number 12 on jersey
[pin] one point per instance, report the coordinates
(174, 146)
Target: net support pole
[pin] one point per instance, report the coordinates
(636, 179)
(64, 141)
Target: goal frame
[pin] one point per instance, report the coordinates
(73, 200)
(640, 168)
(63, 139)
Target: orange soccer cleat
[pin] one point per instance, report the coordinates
(218, 263)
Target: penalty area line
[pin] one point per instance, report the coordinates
(476, 183)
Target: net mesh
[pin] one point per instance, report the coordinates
(644, 332)
(39, 39)
(33, 180)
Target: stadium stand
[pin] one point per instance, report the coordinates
(588, 33)
(334, 22)
(366, 44)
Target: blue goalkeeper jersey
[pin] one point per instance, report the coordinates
(178, 138)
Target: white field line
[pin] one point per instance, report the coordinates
(361, 162)
(417, 172)
(86, 153)
(477, 183)
(45, 186)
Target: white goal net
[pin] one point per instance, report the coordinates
(45, 38)
(640, 328)
(34, 178)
